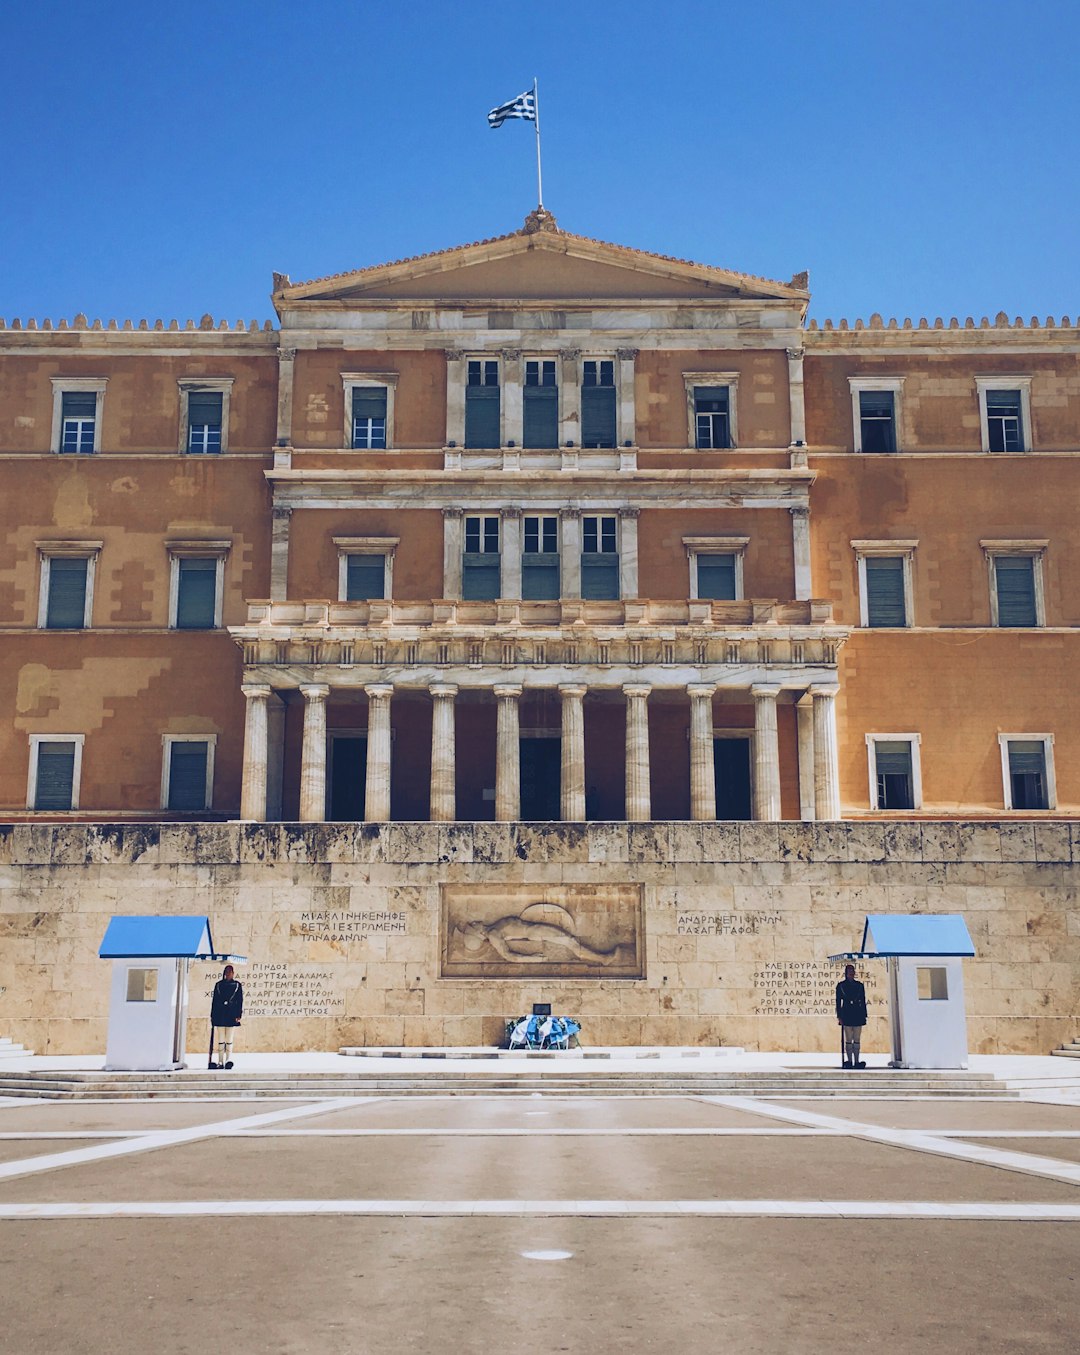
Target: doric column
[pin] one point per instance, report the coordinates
(795, 396)
(628, 553)
(570, 552)
(766, 754)
(572, 780)
(510, 586)
(570, 396)
(279, 553)
(275, 757)
(513, 414)
(638, 785)
(253, 785)
(313, 755)
(453, 543)
(455, 397)
(804, 714)
(443, 799)
(800, 540)
(702, 762)
(377, 780)
(826, 766)
(507, 755)
(626, 417)
(286, 368)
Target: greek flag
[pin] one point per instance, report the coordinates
(524, 106)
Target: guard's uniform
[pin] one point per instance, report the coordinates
(226, 1009)
(851, 1013)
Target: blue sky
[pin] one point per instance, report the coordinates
(161, 160)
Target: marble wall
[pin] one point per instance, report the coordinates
(360, 934)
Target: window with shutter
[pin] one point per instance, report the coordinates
(204, 421)
(187, 775)
(196, 593)
(877, 418)
(54, 788)
(599, 559)
(540, 397)
(1014, 583)
(480, 573)
(540, 558)
(598, 403)
(716, 577)
(1027, 774)
(885, 601)
(895, 784)
(712, 416)
(482, 404)
(1004, 420)
(365, 577)
(66, 607)
(369, 416)
(78, 420)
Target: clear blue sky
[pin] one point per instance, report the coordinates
(162, 159)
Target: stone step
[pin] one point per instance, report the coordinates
(217, 1086)
(1068, 1051)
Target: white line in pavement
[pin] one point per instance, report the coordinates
(833, 1209)
(917, 1139)
(161, 1138)
(538, 1132)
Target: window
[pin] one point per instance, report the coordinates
(196, 583)
(885, 582)
(142, 985)
(716, 566)
(1005, 412)
(483, 427)
(599, 558)
(204, 414)
(540, 398)
(598, 402)
(932, 983)
(369, 409)
(55, 771)
(480, 578)
(875, 411)
(187, 772)
(365, 567)
(1027, 765)
(895, 771)
(540, 558)
(710, 409)
(77, 405)
(1016, 582)
(65, 599)
(712, 417)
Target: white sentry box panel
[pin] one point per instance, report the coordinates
(929, 1014)
(147, 1015)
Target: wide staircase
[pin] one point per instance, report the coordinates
(426, 1078)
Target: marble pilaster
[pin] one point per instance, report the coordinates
(572, 778)
(254, 782)
(702, 761)
(443, 768)
(313, 754)
(638, 781)
(507, 755)
(377, 779)
(826, 762)
(766, 754)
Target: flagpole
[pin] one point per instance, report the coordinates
(539, 180)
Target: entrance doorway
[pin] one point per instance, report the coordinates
(348, 772)
(731, 758)
(540, 770)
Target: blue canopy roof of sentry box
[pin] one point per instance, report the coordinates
(896, 934)
(137, 938)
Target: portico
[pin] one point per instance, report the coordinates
(628, 740)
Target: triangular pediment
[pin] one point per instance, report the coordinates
(538, 264)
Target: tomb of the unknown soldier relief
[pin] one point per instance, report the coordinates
(540, 621)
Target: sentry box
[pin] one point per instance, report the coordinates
(148, 1005)
(924, 954)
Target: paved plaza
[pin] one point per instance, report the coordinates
(539, 1223)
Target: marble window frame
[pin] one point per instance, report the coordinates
(167, 741)
(62, 385)
(36, 740)
(1047, 741)
(915, 743)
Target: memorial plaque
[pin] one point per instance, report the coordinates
(520, 931)
(276, 990)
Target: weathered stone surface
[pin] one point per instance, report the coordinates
(347, 935)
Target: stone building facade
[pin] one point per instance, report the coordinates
(539, 530)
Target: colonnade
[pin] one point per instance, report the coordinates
(817, 753)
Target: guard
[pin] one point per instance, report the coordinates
(851, 1016)
(226, 1009)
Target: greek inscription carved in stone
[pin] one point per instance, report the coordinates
(348, 926)
(807, 987)
(725, 924)
(275, 990)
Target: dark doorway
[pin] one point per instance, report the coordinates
(731, 758)
(540, 770)
(348, 771)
